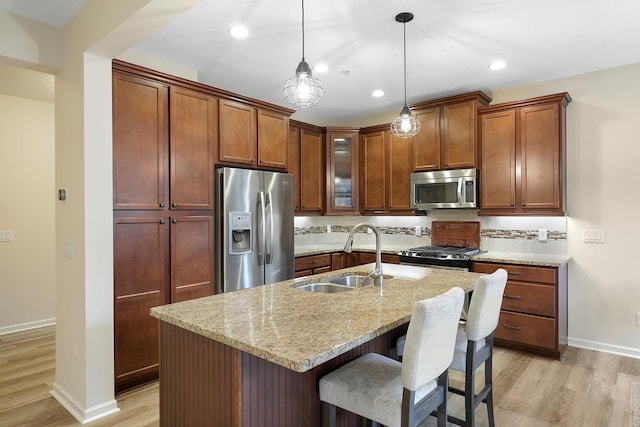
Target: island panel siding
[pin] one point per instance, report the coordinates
(207, 383)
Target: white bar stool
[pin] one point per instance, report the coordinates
(401, 394)
(474, 345)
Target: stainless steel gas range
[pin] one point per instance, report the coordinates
(450, 257)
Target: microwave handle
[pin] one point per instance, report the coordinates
(461, 192)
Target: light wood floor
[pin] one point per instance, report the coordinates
(586, 388)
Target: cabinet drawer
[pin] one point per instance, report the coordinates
(530, 298)
(527, 329)
(313, 262)
(519, 272)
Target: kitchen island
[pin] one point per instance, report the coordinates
(253, 357)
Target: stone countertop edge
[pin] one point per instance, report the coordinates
(301, 330)
(540, 260)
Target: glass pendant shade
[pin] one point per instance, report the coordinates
(303, 90)
(405, 126)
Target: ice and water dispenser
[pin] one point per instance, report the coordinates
(240, 232)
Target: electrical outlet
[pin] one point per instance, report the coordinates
(328, 228)
(418, 230)
(369, 231)
(6, 236)
(542, 234)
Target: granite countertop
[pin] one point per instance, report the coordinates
(299, 329)
(542, 260)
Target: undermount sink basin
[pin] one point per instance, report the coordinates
(325, 288)
(354, 281)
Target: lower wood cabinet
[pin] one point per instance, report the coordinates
(157, 260)
(312, 264)
(533, 316)
(368, 257)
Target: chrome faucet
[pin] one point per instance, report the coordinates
(377, 273)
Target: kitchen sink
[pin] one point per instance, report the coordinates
(355, 281)
(325, 288)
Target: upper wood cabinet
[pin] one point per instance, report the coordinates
(385, 168)
(307, 164)
(342, 170)
(162, 160)
(252, 137)
(140, 142)
(238, 136)
(447, 137)
(193, 133)
(522, 146)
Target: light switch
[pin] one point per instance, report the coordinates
(69, 249)
(593, 236)
(6, 236)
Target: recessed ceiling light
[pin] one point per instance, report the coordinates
(239, 32)
(497, 65)
(377, 93)
(321, 68)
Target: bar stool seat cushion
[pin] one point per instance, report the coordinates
(370, 386)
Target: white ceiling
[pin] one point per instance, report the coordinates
(449, 45)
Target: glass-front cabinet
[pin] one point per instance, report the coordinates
(342, 171)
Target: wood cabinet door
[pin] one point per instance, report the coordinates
(238, 140)
(426, 144)
(540, 170)
(459, 148)
(372, 172)
(294, 164)
(343, 179)
(140, 140)
(192, 272)
(312, 172)
(399, 158)
(192, 143)
(273, 133)
(141, 277)
(498, 158)
(337, 261)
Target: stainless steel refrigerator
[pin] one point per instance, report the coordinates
(254, 228)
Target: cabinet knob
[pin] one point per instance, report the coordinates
(173, 205)
(162, 205)
(162, 221)
(261, 161)
(513, 205)
(437, 165)
(253, 160)
(446, 165)
(524, 204)
(174, 221)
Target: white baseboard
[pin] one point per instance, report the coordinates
(83, 415)
(27, 326)
(607, 348)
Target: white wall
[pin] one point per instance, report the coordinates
(603, 149)
(27, 208)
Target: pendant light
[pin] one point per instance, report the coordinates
(405, 126)
(303, 90)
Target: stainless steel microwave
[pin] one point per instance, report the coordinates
(450, 189)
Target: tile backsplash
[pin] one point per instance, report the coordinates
(499, 234)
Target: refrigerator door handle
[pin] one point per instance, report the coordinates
(261, 223)
(269, 242)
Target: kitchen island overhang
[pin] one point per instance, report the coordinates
(253, 357)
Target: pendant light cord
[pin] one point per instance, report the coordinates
(303, 30)
(404, 42)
